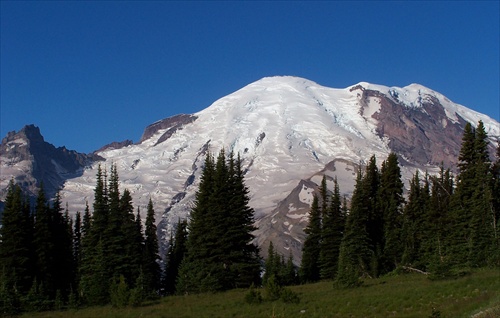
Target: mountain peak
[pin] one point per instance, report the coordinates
(33, 133)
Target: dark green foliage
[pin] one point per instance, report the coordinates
(273, 288)
(119, 292)
(473, 231)
(275, 291)
(355, 253)
(95, 281)
(175, 256)
(414, 225)
(151, 268)
(37, 298)
(220, 254)
(331, 235)
(390, 203)
(289, 296)
(275, 265)
(253, 297)
(309, 268)
(141, 292)
(16, 244)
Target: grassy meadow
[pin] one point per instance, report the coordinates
(408, 295)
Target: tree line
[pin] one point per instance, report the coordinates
(446, 226)
(51, 261)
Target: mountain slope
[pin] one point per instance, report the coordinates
(289, 131)
(28, 159)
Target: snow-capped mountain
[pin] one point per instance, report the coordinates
(289, 131)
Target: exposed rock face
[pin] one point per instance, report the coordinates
(423, 135)
(115, 145)
(284, 225)
(30, 161)
(171, 123)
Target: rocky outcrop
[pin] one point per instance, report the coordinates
(30, 161)
(171, 123)
(115, 145)
(421, 134)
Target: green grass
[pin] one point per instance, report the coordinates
(411, 295)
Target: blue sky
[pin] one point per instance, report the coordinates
(89, 73)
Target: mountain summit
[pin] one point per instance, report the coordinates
(289, 131)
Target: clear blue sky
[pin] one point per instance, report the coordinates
(89, 73)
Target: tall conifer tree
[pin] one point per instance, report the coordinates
(310, 267)
(151, 268)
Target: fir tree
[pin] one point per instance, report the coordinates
(390, 203)
(175, 256)
(309, 268)
(355, 253)
(45, 251)
(16, 246)
(375, 218)
(413, 225)
(151, 268)
(331, 235)
(220, 254)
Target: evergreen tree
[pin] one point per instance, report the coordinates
(45, 250)
(220, 254)
(355, 253)
(437, 234)
(62, 234)
(175, 256)
(375, 218)
(473, 232)
(495, 204)
(77, 245)
(309, 268)
(16, 246)
(331, 235)
(151, 268)
(282, 272)
(95, 282)
(390, 203)
(271, 265)
(94, 269)
(413, 222)
(133, 241)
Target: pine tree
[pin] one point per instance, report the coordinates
(44, 244)
(390, 203)
(309, 268)
(95, 282)
(62, 234)
(77, 245)
(151, 268)
(133, 246)
(438, 235)
(16, 246)
(375, 218)
(175, 256)
(271, 265)
(355, 253)
(482, 227)
(495, 204)
(413, 222)
(94, 271)
(331, 235)
(220, 254)
(474, 233)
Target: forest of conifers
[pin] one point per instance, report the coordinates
(445, 226)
